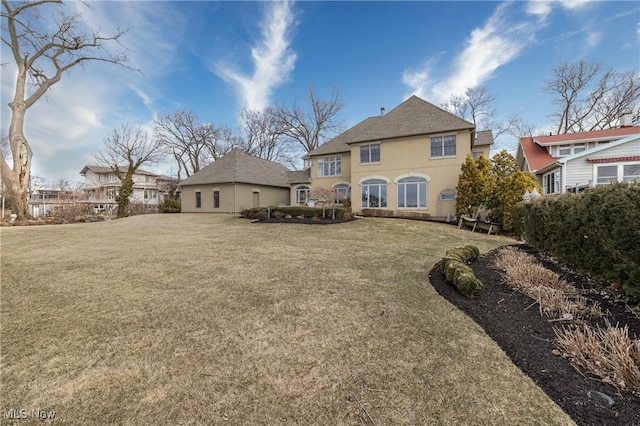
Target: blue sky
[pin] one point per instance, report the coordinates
(217, 58)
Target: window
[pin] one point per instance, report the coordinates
(370, 153)
(448, 195)
(606, 174)
(216, 199)
(198, 199)
(412, 192)
(443, 146)
(302, 194)
(551, 183)
(571, 149)
(631, 173)
(477, 154)
(343, 191)
(150, 194)
(111, 193)
(330, 166)
(374, 193)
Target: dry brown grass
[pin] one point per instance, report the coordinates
(555, 297)
(204, 319)
(607, 352)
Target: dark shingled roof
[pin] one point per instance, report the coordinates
(484, 137)
(411, 118)
(300, 176)
(239, 167)
(339, 143)
(101, 169)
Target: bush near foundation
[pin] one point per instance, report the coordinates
(598, 231)
(457, 272)
(293, 211)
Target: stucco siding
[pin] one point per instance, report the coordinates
(412, 157)
(233, 197)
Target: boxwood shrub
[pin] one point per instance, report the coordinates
(598, 231)
(457, 272)
(293, 211)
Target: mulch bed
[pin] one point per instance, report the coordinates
(527, 337)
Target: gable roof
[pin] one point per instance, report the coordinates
(536, 156)
(413, 117)
(238, 167)
(339, 143)
(596, 135)
(483, 138)
(102, 170)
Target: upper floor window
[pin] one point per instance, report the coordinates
(443, 146)
(330, 166)
(370, 153)
(571, 149)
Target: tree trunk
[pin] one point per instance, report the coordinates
(18, 177)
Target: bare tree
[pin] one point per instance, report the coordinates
(263, 136)
(310, 127)
(133, 147)
(42, 54)
(591, 98)
(520, 128)
(193, 144)
(475, 105)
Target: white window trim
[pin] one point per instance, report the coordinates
(620, 171)
(336, 158)
(418, 175)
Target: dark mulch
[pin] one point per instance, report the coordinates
(528, 339)
(305, 220)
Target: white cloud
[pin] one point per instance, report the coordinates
(272, 59)
(487, 48)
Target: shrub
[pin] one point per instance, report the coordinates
(169, 205)
(457, 272)
(377, 213)
(597, 231)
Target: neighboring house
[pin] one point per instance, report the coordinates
(407, 161)
(235, 182)
(102, 185)
(45, 201)
(576, 161)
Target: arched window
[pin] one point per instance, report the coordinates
(302, 194)
(343, 191)
(412, 192)
(374, 193)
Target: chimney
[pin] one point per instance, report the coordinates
(626, 119)
(382, 111)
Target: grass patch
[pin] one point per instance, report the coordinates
(167, 319)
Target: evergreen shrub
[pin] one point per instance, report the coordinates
(598, 231)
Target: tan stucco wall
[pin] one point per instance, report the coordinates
(325, 181)
(233, 197)
(407, 156)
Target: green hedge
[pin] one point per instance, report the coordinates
(598, 231)
(457, 272)
(293, 211)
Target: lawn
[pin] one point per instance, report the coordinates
(205, 319)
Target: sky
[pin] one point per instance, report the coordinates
(218, 58)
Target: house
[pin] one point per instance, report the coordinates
(101, 187)
(576, 161)
(235, 182)
(48, 201)
(406, 161)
